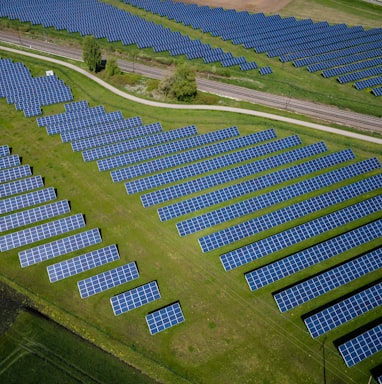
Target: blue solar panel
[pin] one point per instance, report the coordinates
(362, 346)
(289, 213)
(27, 200)
(59, 247)
(250, 186)
(21, 186)
(229, 212)
(15, 173)
(107, 280)
(100, 129)
(190, 156)
(114, 137)
(313, 255)
(226, 176)
(191, 170)
(164, 318)
(41, 232)
(4, 150)
(344, 311)
(142, 142)
(9, 161)
(76, 105)
(82, 263)
(135, 298)
(165, 149)
(300, 233)
(325, 282)
(34, 215)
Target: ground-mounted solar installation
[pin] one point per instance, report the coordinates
(165, 318)
(15, 173)
(21, 186)
(361, 347)
(107, 280)
(290, 213)
(59, 247)
(9, 161)
(190, 156)
(325, 282)
(245, 207)
(166, 149)
(295, 235)
(41, 232)
(135, 298)
(296, 262)
(25, 200)
(34, 215)
(241, 171)
(243, 188)
(208, 165)
(4, 150)
(82, 263)
(348, 309)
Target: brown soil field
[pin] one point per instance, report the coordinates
(266, 6)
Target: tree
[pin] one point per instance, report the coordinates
(181, 86)
(112, 67)
(91, 53)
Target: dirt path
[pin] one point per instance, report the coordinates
(266, 6)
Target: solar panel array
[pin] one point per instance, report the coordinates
(107, 280)
(20, 186)
(165, 318)
(15, 173)
(324, 282)
(348, 309)
(9, 161)
(29, 93)
(135, 298)
(364, 345)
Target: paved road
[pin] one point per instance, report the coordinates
(195, 107)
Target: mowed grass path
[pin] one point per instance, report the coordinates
(230, 335)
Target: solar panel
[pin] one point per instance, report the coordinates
(245, 207)
(9, 161)
(20, 186)
(165, 318)
(107, 280)
(34, 215)
(41, 232)
(197, 185)
(15, 203)
(300, 233)
(243, 188)
(361, 347)
(344, 311)
(325, 282)
(205, 166)
(289, 213)
(82, 263)
(135, 298)
(164, 149)
(141, 142)
(191, 155)
(15, 173)
(313, 255)
(59, 247)
(4, 150)
(76, 105)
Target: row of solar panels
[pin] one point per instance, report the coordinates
(29, 93)
(300, 40)
(184, 154)
(21, 190)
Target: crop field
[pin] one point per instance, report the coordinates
(230, 334)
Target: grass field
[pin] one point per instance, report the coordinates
(230, 335)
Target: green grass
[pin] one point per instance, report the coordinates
(230, 334)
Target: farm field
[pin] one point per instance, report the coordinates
(230, 334)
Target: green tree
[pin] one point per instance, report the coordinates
(91, 53)
(181, 85)
(112, 67)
